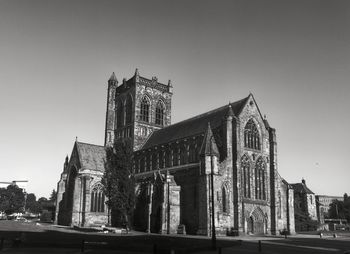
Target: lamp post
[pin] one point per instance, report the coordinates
(213, 231)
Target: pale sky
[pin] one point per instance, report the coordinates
(294, 56)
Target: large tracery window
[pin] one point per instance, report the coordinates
(145, 105)
(251, 135)
(245, 164)
(260, 179)
(128, 110)
(160, 113)
(120, 114)
(97, 199)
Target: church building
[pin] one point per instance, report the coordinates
(226, 157)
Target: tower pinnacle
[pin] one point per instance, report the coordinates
(113, 78)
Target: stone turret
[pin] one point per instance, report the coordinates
(110, 112)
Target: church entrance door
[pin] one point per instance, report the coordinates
(256, 222)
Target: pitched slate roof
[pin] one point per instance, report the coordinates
(193, 126)
(301, 188)
(91, 157)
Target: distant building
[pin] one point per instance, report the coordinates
(173, 165)
(305, 206)
(322, 204)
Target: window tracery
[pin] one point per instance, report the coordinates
(97, 199)
(251, 135)
(260, 179)
(245, 165)
(160, 113)
(145, 105)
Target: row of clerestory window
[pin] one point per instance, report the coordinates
(170, 157)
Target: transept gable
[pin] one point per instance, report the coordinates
(88, 157)
(251, 106)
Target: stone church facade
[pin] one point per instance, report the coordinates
(173, 166)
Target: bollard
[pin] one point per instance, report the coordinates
(259, 247)
(154, 248)
(82, 245)
(335, 235)
(219, 250)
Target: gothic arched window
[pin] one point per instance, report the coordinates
(245, 165)
(260, 179)
(128, 109)
(97, 199)
(145, 105)
(160, 113)
(224, 200)
(120, 114)
(279, 212)
(192, 154)
(161, 158)
(142, 164)
(183, 155)
(175, 156)
(251, 135)
(168, 158)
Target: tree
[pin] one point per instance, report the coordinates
(32, 205)
(340, 209)
(12, 199)
(119, 183)
(53, 196)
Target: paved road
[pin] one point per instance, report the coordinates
(307, 245)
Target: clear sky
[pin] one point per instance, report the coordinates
(294, 56)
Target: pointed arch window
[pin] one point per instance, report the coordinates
(260, 167)
(245, 165)
(183, 155)
(175, 156)
(120, 114)
(192, 153)
(160, 109)
(128, 109)
(279, 212)
(251, 135)
(97, 199)
(224, 200)
(145, 105)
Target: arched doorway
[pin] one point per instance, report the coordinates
(257, 222)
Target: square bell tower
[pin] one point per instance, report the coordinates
(136, 108)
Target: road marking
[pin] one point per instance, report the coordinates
(303, 246)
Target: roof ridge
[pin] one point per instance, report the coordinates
(202, 114)
(83, 143)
